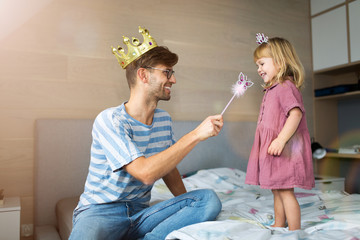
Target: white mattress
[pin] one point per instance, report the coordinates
(247, 211)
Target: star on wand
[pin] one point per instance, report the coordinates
(239, 88)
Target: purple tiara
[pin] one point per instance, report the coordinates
(261, 38)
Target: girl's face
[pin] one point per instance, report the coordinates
(267, 69)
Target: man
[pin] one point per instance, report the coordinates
(133, 146)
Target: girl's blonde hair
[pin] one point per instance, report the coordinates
(284, 57)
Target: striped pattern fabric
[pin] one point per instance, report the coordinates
(119, 139)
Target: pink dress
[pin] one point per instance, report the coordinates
(293, 168)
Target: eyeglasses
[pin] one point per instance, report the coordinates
(169, 72)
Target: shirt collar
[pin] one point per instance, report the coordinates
(274, 85)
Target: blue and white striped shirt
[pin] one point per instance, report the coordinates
(118, 139)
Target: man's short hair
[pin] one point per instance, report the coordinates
(158, 55)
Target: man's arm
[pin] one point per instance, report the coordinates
(174, 182)
(148, 170)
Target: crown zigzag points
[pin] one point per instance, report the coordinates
(135, 48)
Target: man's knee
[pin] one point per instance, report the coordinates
(213, 204)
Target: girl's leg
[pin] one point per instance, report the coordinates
(292, 208)
(157, 221)
(279, 210)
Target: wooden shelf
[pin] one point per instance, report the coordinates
(353, 94)
(342, 155)
(345, 68)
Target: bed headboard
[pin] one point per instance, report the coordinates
(62, 154)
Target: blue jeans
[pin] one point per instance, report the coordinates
(127, 220)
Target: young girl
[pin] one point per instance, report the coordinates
(281, 157)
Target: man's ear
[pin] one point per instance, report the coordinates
(143, 75)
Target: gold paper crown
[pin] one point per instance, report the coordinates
(135, 49)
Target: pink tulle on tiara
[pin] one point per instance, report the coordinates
(239, 88)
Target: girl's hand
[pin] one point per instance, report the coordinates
(291, 124)
(276, 147)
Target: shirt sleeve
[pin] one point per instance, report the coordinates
(115, 143)
(173, 138)
(290, 97)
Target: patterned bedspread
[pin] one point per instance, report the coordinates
(247, 211)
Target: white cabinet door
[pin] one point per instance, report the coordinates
(354, 25)
(322, 5)
(10, 225)
(10, 219)
(329, 39)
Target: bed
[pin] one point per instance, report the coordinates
(247, 211)
(62, 158)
